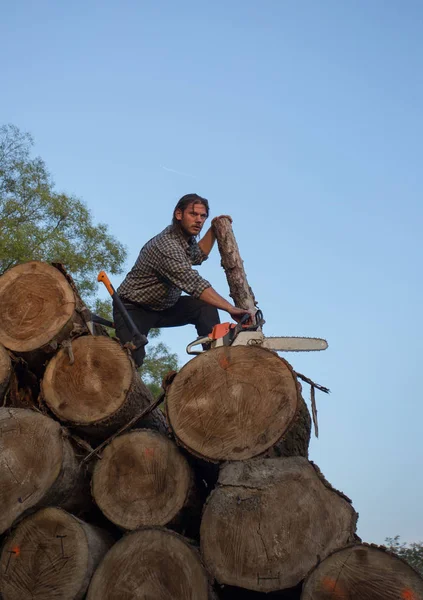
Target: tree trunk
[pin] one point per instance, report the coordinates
(37, 465)
(240, 291)
(94, 386)
(270, 521)
(150, 563)
(5, 371)
(360, 572)
(37, 308)
(233, 403)
(141, 480)
(51, 554)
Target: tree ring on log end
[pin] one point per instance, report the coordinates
(150, 563)
(270, 521)
(32, 451)
(360, 572)
(232, 403)
(93, 386)
(141, 480)
(36, 302)
(46, 556)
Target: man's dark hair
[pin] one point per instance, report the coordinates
(185, 201)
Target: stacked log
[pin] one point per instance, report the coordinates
(103, 496)
(51, 554)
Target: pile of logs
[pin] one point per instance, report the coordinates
(106, 496)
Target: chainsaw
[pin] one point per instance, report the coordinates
(244, 334)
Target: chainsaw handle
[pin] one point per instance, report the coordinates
(202, 340)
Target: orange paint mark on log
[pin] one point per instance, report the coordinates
(16, 550)
(332, 585)
(149, 452)
(408, 594)
(224, 362)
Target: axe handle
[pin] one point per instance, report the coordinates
(137, 338)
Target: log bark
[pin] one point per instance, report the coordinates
(233, 403)
(141, 480)
(151, 563)
(270, 521)
(38, 466)
(240, 291)
(51, 554)
(363, 572)
(5, 371)
(94, 387)
(37, 308)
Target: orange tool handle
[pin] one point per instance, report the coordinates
(102, 277)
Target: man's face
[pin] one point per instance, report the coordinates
(193, 218)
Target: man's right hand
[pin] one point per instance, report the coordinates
(237, 314)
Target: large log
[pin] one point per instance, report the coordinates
(37, 308)
(360, 572)
(150, 563)
(51, 554)
(5, 371)
(233, 403)
(141, 480)
(38, 466)
(240, 291)
(270, 521)
(93, 385)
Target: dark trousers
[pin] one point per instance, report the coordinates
(187, 311)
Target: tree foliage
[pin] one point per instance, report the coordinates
(411, 553)
(39, 223)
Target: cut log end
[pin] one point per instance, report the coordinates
(232, 403)
(96, 388)
(270, 521)
(360, 572)
(141, 480)
(36, 303)
(150, 563)
(50, 555)
(90, 383)
(32, 450)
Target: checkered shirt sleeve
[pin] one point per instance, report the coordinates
(163, 270)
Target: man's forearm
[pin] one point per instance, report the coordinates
(210, 296)
(207, 241)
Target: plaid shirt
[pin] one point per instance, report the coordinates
(163, 270)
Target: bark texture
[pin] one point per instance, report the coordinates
(363, 572)
(38, 466)
(232, 403)
(94, 387)
(37, 308)
(270, 521)
(151, 563)
(5, 371)
(51, 554)
(141, 480)
(240, 291)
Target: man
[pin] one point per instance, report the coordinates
(151, 291)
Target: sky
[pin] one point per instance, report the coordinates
(303, 121)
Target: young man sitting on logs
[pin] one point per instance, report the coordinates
(151, 291)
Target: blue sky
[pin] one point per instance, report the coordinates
(303, 120)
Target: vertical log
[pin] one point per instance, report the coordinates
(240, 291)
